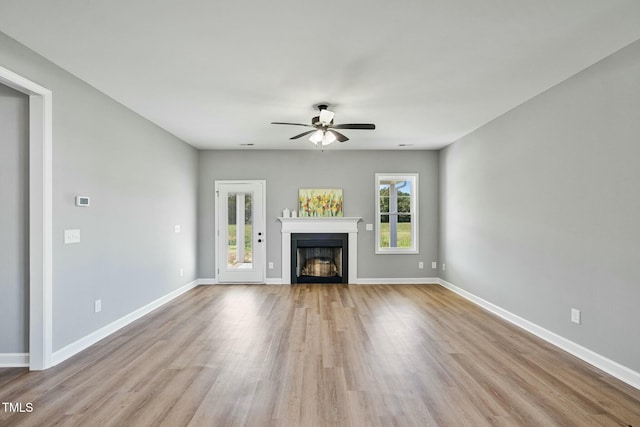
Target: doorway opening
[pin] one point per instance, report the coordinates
(40, 217)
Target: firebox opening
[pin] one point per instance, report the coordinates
(319, 258)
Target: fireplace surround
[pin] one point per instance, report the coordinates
(317, 227)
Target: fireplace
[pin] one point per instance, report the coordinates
(320, 227)
(319, 257)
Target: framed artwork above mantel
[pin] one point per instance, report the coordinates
(320, 202)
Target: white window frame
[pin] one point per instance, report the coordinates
(413, 178)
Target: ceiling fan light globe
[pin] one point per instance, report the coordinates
(329, 138)
(317, 136)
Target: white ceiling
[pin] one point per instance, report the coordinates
(215, 73)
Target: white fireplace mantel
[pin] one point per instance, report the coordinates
(347, 225)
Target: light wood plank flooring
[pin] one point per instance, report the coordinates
(320, 355)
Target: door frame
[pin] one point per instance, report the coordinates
(217, 183)
(40, 217)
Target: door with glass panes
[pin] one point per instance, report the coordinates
(240, 231)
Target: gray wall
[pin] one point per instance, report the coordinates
(14, 226)
(141, 180)
(540, 209)
(353, 171)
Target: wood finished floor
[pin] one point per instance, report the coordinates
(320, 355)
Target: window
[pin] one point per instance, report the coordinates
(396, 213)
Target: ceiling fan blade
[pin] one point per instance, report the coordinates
(366, 126)
(287, 123)
(302, 134)
(340, 137)
(326, 116)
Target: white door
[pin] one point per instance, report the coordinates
(240, 231)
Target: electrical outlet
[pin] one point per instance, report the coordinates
(177, 228)
(444, 267)
(181, 272)
(97, 305)
(270, 266)
(421, 265)
(575, 316)
(434, 265)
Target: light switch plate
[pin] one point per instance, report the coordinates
(368, 227)
(177, 228)
(71, 236)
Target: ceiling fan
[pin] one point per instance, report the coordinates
(324, 130)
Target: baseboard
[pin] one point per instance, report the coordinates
(214, 281)
(372, 281)
(76, 347)
(14, 360)
(207, 281)
(614, 369)
(398, 281)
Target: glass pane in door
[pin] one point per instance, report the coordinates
(239, 229)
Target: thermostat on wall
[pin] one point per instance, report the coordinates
(82, 201)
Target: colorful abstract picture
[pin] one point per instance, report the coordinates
(320, 202)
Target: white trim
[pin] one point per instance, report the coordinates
(21, 84)
(40, 216)
(208, 281)
(398, 281)
(332, 224)
(14, 360)
(362, 281)
(607, 365)
(87, 341)
(348, 225)
(214, 281)
(415, 248)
